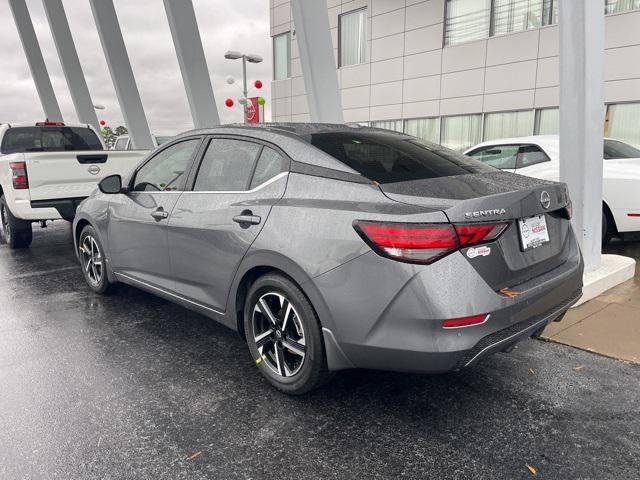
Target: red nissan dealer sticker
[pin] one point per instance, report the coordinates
(533, 231)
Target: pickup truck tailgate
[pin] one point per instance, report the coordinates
(58, 175)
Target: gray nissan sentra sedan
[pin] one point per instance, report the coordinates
(330, 247)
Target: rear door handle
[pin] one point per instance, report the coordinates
(247, 218)
(159, 214)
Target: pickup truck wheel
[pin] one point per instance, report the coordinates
(14, 232)
(94, 267)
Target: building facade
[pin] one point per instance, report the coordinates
(457, 72)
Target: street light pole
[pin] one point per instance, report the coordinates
(233, 55)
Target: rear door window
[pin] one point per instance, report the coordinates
(615, 149)
(530, 155)
(270, 164)
(390, 157)
(500, 156)
(227, 165)
(49, 139)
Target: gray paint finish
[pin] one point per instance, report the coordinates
(376, 312)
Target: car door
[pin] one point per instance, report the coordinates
(137, 231)
(499, 156)
(214, 224)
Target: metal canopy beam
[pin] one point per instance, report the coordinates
(70, 62)
(36, 62)
(124, 82)
(582, 119)
(311, 19)
(193, 65)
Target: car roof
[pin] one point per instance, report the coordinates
(33, 124)
(544, 141)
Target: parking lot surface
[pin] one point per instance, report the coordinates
(132, 386)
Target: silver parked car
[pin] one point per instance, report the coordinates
(330, 247)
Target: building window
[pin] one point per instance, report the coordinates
(461, 132)
(281, 56)
(466, 20)
(353, 38)
(615, 6)
(547, 121)
(508, 124)
(395, 125)
(424, 128)
(624, 119)
(549, 12)
(515, 15)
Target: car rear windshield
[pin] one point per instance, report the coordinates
(389, 157)
(614, 149)
(49, 139)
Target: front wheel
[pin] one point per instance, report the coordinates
(14, 232)
(284, 336)
(93, 263)
(607, 228)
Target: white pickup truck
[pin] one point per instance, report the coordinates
(47, 169)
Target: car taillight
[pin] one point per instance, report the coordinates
(465, 321)
(424, 243)
(19, 175)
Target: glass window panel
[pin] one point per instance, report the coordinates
(353, 38)
(547, 122)
(271, 163)
(425, 128)
(508, 124)
(531, 155)
(615, 6)
(461, 132)
(281, 56)
(516, 15)
(395, 125)
(167, 170)
(549, 12)
(226, 166)
(466, 20)
(624, 119)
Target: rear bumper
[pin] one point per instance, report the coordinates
(395, 321)
(65, 207)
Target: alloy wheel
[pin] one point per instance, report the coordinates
(91, 260)
(278, 334)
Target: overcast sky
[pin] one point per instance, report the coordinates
(224, 25)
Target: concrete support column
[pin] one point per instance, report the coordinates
(124, 82)
(311, 20)
(36, 62)
(70, 62)
(582, 119)
(193, 65)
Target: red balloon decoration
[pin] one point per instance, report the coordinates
(103, 122)
(258, 84)
(228, 102)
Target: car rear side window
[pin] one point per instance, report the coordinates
(530, 155)
(499, 156)
(49, 139)
(270, 164)
(227, 165)
(388, 157)
(166, 171)
(615, 149)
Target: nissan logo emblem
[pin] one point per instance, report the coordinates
(545, 199)
(94, 169)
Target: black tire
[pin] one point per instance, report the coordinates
(300, 374)
(92, 261)
(14, 232)
(607, 227)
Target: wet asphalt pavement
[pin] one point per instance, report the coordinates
(132, 386)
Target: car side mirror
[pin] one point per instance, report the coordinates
(111, 184)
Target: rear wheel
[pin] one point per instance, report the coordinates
(14, 232)
(284, 336)
(607, 227)
(93, 263)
